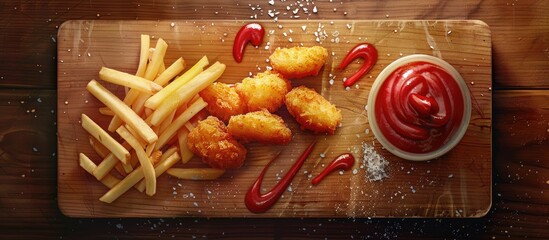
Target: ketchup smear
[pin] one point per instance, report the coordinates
(419, 107)
(251, 32)
(342, 162)
(257, 202)
(365, 51)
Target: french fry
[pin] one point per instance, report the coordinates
(135, 176)
(171, 72)
(116, 122)
(140, 186)
(143, 55)
(108, 163)
(132, 94)
(101, 150)
(185, 93)
(157, 59)
(146, 165)
(166, 123)
(162, 68)
(106, 111)
(140, 140)
(150, 148)
(162, 79)
(168, 153)
(127, 168)
(128, 80)
(154, 101)
(122, 110)
(153, 114)
(105, 139)
(87, 164)
(179, 122)
(196, 173)
(189, 126)
(184, 150)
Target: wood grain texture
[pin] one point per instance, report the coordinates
(519, 38)
(456, 185)
(28, 155)
(520, 49)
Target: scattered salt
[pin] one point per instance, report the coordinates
(375, 163)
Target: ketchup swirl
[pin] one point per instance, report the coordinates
(251, 32)
(257, 202)
(418, 107)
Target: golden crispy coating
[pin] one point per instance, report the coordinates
(264, 90)
(260, 126)
(210, 141)
(223, 101)
(298, 62)
(312, 111)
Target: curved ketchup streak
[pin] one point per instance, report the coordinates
(365, 51)
(251, 32)
(257, 202)
(342, 162)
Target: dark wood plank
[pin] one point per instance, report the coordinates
(521, 148)
(520, 49)
(28, 156)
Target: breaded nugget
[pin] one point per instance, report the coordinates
(223, 101)
(298, 62)
(210, 141)
(312, 111)
(265, 90)
(260, 126)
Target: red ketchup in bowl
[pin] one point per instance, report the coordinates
(421, 108)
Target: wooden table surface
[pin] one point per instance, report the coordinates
(28, 83)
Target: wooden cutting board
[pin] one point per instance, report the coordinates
(457, 184)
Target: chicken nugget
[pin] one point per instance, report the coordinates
(260, 126)
(312, 111)
(265, 90)
(298, 62)
(223, 101)
(210, 141)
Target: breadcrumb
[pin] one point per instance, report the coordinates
(210, 141)
(260, 126)
(298, 62)
(312, 111)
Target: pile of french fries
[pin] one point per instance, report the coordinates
(153, 121)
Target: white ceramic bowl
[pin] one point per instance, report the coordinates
(454, 138)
